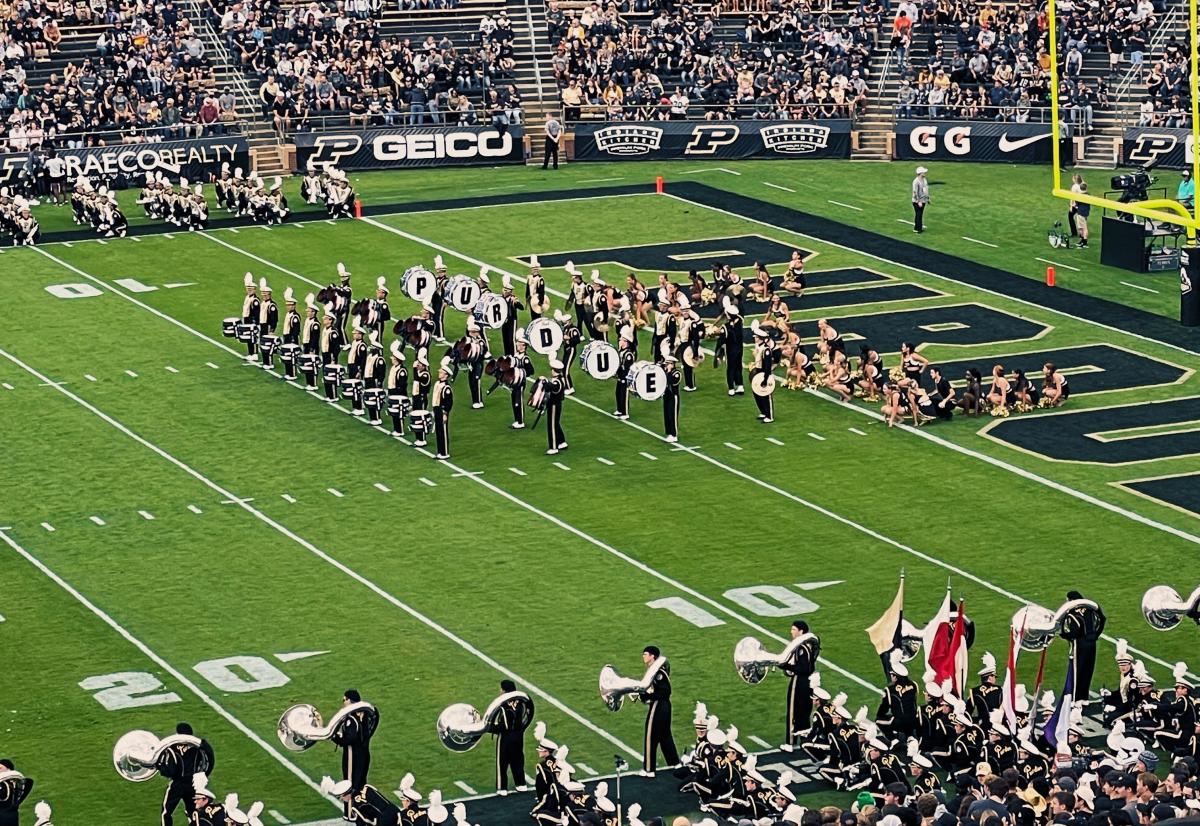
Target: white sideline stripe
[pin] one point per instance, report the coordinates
(97, 520)
(761, 742)
(1056, 264)
(160, 662)
(818, 437)
(149, 517)
(194, 509)
(345, 569)
(171, 369)
(467, 788)
(335, 492)
(48, 527)
(518, 471)
(649, 456)
(856, 430)
(234, 230)
(774, 441)
(977, 241)
(168, 236)
(923, 433)
(732, 446)
(604, 461)
(847, 206)
(777, 186)
(429, 482)
(382, 487)
(561, 466)
(278, 817)
(287, 497)
(600, 180)
(1139, 287)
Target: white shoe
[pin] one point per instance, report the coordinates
(570, 391)
(786, 748)
(441, 455)
(522, 788)
(672, 438)
(563, 446)
(420, 443)
(768, 420)
(741, 390)
(502, 792)
(518, 425)
(477, 405)
(689, 390)
(552, 451)
(732, 392)
(645, 773)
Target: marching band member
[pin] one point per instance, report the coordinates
(925, 780)
(342, 297)
(353, 737)
(339, 195)
(580, 299)
(985, 697)
(967, 747)
(535, 290)
(664, 331)
(689, 333)
(766, 356)
(671, 399)
(311, 187)
(397, 389)
(421, 381)
(357, 358)
(798, 661)
(1119, 704)
(509, 733)
(437, 305)
(332, 342)
(179, 763)
(205, 810)
(484, 280)
(734, 346)
(1000, 750)
(475, 365)
(508, 330)
(27, 229)
(14, 788)
(378, 311)
(374, 374)
(626, 356)
(365, 807)
(310, 336)
(520, 361)
(411, 813)
(1083, 626)
(551, 797)
(571, 340)
(291, 318)
(897, 714)
(277, 205)
(1178, 712)
(198, 210)
(699, 767)
(556, 390)
(655, 692)
(234, 813)
(442, 399)
(250, 312)
(268, 317)
(221, 186)
(844, 747)
(1031, 763)
(885, 768)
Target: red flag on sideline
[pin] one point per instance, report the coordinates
(958, 650)
(939, 656)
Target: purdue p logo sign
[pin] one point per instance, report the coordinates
(708, 138)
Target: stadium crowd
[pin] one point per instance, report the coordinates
(332, 61)
(1168, 100)
(792, 63)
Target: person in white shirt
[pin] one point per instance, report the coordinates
(679, 105)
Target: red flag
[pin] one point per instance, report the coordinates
(1008, 702)
(958, 650)
(939, 654)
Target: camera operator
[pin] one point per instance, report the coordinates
(1186, 193)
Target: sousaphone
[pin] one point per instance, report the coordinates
(300, 727)
(136, 753)
(460, 726)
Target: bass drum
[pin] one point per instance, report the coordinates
(647, 380)
(599, 360)
(462, 293)
(545, 336)
(491, 311)
(419, 284)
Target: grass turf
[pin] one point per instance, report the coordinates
(426, 594)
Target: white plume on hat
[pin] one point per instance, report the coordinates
(814, 684)
(447, 365)
(714, 735)
(406, 787)
(729, 306)
(601, 795)
(781, 786)
(199, 189)
(422, 356)
(460, 815)
(633, 814)
(263, 285)
(561, 317)
(373, 339)
(555, 364)
(533, 262)
(988, 665)
(248, 280)
(337, 788)
(438, 263)
(310, 301)
(701, 715)
(996, 716)
(896, 660)
(436, 812)
(483, 274)
(41, 811)
(731, 741)
(289, 297)
(1179, 672)
(397, 350)
(596, 277)
(839, 706)
(915, 756)
(342, 271)
(572, 270)
(506, 281)
(200, 786)
(1047, 702)
(1021, 704)
(1123, 651)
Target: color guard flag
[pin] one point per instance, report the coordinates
(886, 633)
(1056, 728)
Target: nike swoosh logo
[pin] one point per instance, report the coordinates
(1008, 145)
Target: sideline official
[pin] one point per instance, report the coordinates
(920, 198)
(554, 130)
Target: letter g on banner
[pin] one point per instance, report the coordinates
(330, 149)
(707, 138)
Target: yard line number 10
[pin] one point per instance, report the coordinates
(760, 600)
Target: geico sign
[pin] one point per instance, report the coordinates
(435, 145)
(956, 140)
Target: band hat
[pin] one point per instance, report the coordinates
(520, 337)
(896, 664)
(1084, 790)
(839, 706)
(237, 173)
(329, 310)
(601, 795)
(472, 325)
(555, 364)
(407, 790)
(438, 263)
(627, 333)
(794, 814)
(200, 786)
(814, 685)
(249, 817)
(397, 350)
(248, 280)
(999, 725)
(572, 270)
(921, 170)
(670, 359)
(506, 282)
(1141, 675)
(1179, 672)
(1075, 725)
(373, 340)
(225, 166)
(381, 284)
(483, 275)
(533, 263)
(700, 718)
(422, 356)
(342, 271)
(862, 719)
(915, 758)
(933, 690)
(561, 317)
(328, 786)
(729, 306)
(263, 285)
(310, 301)
(278, 183)
(781, 786)
(446, 365)
(183, 183)
(1123, 651)
(757, 331)
(714, 735)
(596, 277)
(437, 813)
(989, 664)
(1025, 745)
(874, 740)
(731, 741)
(427, 307)
(539, 737)
(199, 189)
(1021, 706)
(41, 811)
(750, 767)
(310, 166)
(1047, 702)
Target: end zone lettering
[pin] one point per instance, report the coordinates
(431, 146)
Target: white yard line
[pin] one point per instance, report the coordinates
(129, 373)
(732, 446)
(428, 482)
(604, 461)
(561, 466)
(335, 492)
(518, 471)
(163, 664)
(1056, 264)
(855, 430)
(89, 377)
(983, 243)
(1139, 287)
(287, 497)
(817, 436)
(847, 206)
(649, 456)
(97, 520)
(149, 517)
(210, 364)
(332, 561)
(600, 180)
(760, 742)
(774, 441)
(49, 528)
(777, 186)
(194, 509)
(382, 488)
(171, 369)
(465, 787)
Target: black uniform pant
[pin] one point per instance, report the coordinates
(568, 360)
(658, 735)
(671, 413)
(518, 403)
(508, 337)
(398, 423)
(554, 432)
(919, 217)
(551, 153)
(439, 319)
(799, 706)
(689, 376)
(1085, 666)
(252, 344)
(510, 759)
(356, 762)
(622, 393)
(475, 382)
(178, 791)
(330, 387)
(441, 430)
(766, 405)
(733, 364)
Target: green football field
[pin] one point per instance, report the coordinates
(187, 536)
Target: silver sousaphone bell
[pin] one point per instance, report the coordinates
(137, 752)
(614, 688)
(1164, 608)
(752, 661)
(460, 726)
(1036, 627)
(300, 727)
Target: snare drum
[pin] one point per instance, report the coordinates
(419, 284)
(398, 405)
(289, 354)
(229, 327)
(421, 421)
(245, 333)
(462, 293)
(647, 380)
(491, 311)
(545, 335)
(599, 360)
(334, 373)
(267, 345)
(374, 398)
(307, 362)
(352, 389)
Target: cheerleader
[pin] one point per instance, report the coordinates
(871, 373)
(1025, 394)
(799, 366)
(794, 280)
(1054, 386)
(897, 403)
(972, 397)
(312, 189)
(837, 376)
(1001, 395)
(913, 364)
(760, 287)
(638, 296)
(829, 339)
(778, 316)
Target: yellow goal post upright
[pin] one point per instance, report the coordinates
(1159, 209)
